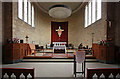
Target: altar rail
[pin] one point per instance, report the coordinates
(103, 73)
(19, 73)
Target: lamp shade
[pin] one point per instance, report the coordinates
(59, 11)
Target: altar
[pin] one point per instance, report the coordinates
(59, 47)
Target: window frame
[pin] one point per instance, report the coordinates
(28, 16)
(29, 13)
(33, 17)
(25, 11)
(92, 13)
(20, 9)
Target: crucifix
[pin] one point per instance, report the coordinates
(59, 31)
(26, 39)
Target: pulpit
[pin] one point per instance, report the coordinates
(104, 53)
(14, 52)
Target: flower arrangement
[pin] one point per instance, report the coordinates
(14, 40)
(103, 42)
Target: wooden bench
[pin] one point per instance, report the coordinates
(17, 72)
(99, 71)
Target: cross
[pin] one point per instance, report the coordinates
(26, 39)
(59, 31)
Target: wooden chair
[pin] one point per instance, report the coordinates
(32, 49)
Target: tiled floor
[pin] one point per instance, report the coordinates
(57, 69)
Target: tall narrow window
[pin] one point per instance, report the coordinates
(25, 10)
(89, 13)
(93, 11)
(33, 16)
(29, 13)
(86, 16)
(20, 9)
(99, 3)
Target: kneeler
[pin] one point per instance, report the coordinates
(79, 57)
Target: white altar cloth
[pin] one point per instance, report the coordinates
(59, 45)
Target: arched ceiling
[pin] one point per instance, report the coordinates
(44, 6)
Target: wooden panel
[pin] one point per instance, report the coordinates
(8, 53)
(25, 49)
(102, 52)
(95, 49)
(110, 54)
(28, 51)
(18, 71)
(14, 52)
(99, 71)
(59, 51)
(22, 50)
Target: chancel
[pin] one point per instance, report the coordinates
(60, 39)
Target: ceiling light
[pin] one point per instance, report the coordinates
(59, 11)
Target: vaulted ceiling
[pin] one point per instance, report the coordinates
(74, 6)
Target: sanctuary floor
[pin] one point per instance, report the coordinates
(58, 65)
(57, 69)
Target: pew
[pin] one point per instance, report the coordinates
(104, 73)
(18, 72)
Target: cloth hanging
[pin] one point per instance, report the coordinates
(80, 56)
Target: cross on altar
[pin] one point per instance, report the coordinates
(59, 31)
